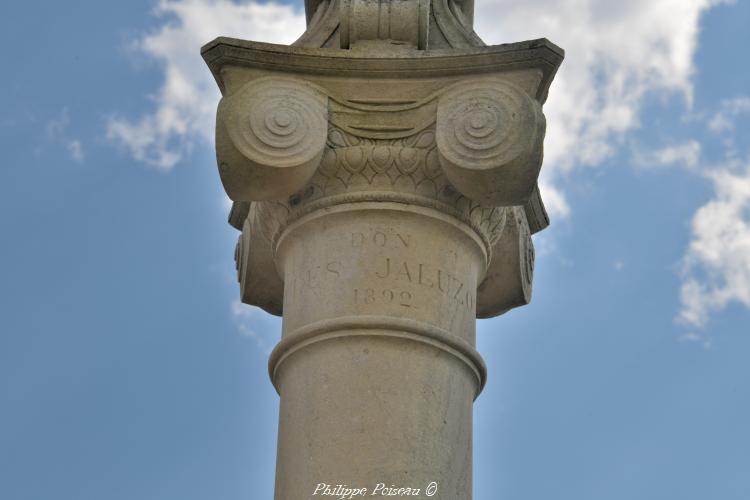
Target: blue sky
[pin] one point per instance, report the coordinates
(129, 372)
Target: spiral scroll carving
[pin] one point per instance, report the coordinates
(277, 122)
(483, 126)
(489, 136)
(270, 137)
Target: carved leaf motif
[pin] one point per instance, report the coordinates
(407, 160)
(381, 156)
(354, 159)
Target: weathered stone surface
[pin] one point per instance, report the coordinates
(507, 283)
(466, 145)
(384, 175)
(536, 214)
(270, 137)
(489, 136)
(426, 24)
(260, 283)
(376, 368)
(403, 22)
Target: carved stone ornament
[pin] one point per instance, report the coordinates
(463, 134)
(384, 172)
(489, 136)
(271, 135)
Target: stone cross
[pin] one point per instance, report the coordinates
(383, 170)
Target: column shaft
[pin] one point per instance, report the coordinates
(377, 370)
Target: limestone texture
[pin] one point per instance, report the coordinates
(383, 171)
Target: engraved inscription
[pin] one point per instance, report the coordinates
(381, 239)
(311, 279)
(427, 276)
(368, 296)
(395, 274)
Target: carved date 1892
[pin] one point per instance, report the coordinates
(384, 296)
(426, 276)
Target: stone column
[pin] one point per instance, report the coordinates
(377, 369)
(386, 193)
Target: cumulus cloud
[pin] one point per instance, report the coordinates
(185, 104)
(686, 155)
(716, 268)
(616, 53)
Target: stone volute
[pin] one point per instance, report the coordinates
(383, 171)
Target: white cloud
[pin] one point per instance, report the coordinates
(716, 267)
(185, 105)
(76, 150)
(723, 120)
(697, 338)
(246, 320)
(686, 155)
(616, 53)
(554, 198)
(57, 133)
